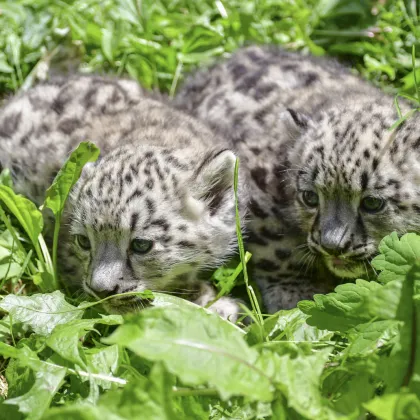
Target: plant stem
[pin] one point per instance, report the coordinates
(55, 245)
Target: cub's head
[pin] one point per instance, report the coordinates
(356, 181)
(151, 218)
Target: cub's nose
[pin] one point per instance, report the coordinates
(334, 241)
(103, 293)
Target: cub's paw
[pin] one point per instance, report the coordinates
(227, 308)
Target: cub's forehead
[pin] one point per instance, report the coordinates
(355, 148)
(145, 183)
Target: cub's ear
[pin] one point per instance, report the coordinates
(296, 122)
(212, 182)
(89, 168)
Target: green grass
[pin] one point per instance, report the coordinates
(157, 42)
(342, 356)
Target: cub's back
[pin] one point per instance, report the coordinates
(40, 127)
(259, 83)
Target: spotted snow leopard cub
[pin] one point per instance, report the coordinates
(327, 178)
(155, 210)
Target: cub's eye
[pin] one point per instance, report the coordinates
(83, 242)
(372, 204)
(310, 198)
(141, 246)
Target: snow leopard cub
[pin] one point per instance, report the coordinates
(327, 178)
(155, 210)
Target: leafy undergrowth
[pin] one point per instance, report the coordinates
(345, 355)
(158, 41)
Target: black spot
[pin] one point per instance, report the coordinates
(257, 210)
(259, 176)
(128, 178)
(272, 234)
(263, 90)
(309, 78)
(134, 218)
(162, 223)
(150, 205)
(186, 244)
(267, 265)
(10, 124)
(283, 254)
(253, 238)
(238, 70)
(364, 180)
(69, 125)
(366, 154)
(135, 194)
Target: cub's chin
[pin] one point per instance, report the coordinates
(125, 306)
(346, 268)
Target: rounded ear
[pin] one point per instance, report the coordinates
(89, 168)
(215, 175)
(212, 183)
(296, 122)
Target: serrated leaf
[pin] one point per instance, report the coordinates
(367, 338)
(200, 348)
(68, 175)
(41, 312)
(29, 217)
(397, 256)
(64, 339)
(340, 310)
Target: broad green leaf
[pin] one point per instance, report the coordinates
(68, 175)
(7, 351)
(151, 400)
(395, 407)
(41, 312)
(299, 379)
(65, 338)
(349, 390)
(398, 369)
(29, 217)
(33, 404)
(105, 360)
(397, 256)
(200, 348)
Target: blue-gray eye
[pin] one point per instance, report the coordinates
(310, 198)
(372, 204)
(83, 242)
(141, 246)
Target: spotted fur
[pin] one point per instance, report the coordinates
(163, 178)
(316, 143)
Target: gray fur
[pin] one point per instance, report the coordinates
(299, 125)
(162, 176)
